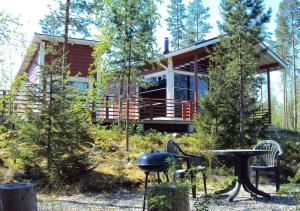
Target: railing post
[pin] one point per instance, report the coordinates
(151, 109)
(93, 109)
(191, 109)
(106, 108)
(183, 109)
(269, 95)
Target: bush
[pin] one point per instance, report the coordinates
(55, 140)
(290, 158)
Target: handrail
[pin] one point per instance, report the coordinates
(110, 108)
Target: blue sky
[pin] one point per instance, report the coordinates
(30, 11)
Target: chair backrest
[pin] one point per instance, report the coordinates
(269, 159)
(174, 148)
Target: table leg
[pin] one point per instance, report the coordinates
(254, 190)
(226, 190)
(235, 191)
(245, 178)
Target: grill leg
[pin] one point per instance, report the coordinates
(193, 180)
(167, 176)
(145, 193)
(256, 178)
(204, 182)
(158, 178)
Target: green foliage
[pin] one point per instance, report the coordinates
(8, 27)
(130, 30)
(287, 41)
(197, 16)
(293, 188)
(287, 24)
(11, 43)
(276, 113)
(82, 15)
(175, 21)
(60, 148)
(163, 196)
(289, 160)
(130, 25)
(204, 202)
(53, 136)
(230, 102)
(291, 157)
(166, 196)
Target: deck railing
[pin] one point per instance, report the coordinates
(145, 108)
(263, 115)
(111, 108)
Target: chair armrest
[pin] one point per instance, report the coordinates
(184, 158)
(194, 155)
(197, 159)
(180, 156)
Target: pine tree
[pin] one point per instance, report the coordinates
(82, 18)
(231, 100)
(175, 21)
(282, 48)
(287, 35)
(130, 25)
(54, 137)
(197, 16)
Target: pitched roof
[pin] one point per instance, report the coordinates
(38, 38)
(268, 57)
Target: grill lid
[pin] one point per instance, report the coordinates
(155, 161)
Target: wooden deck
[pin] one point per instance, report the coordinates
(145, 110)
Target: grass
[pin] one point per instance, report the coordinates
(115, 168)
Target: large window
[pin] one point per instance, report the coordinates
(184, 87)
(155, 87)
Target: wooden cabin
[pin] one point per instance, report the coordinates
(171, 99)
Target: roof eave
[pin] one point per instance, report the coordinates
(194, 47)
(43, 37)
(274, 55)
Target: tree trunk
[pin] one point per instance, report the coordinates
(241, 98)
(128, 95)
(49, 132)
(284, 101)
(241, 113)
(120, 105)
(18, 197)
(66, 35)
(294, 82)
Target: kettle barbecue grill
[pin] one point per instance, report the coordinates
(154, 161)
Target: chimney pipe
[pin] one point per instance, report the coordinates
(166, 50)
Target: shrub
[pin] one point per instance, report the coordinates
(55, 140)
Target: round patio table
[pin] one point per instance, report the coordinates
(241, 157)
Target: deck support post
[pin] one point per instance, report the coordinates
(170, 109)
(195, 84)
(269, 95)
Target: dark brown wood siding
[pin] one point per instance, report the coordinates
(79, 58)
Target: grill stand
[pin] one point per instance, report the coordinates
(146, 185)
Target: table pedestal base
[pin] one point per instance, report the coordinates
(242, 173)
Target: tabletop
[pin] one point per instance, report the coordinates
(249, 152)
